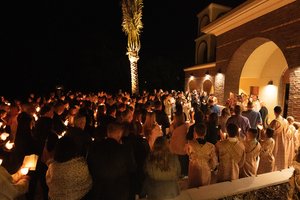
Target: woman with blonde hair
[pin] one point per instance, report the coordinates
(151, 129)
(178, 131)
(163, 170)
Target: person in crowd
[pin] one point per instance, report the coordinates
(252, 150)
(178, 131)
(214, 133)
(225, 114)
(81, 138)
(294, 180)
(253, 116)
(213, 107)
(161, 117)
(264, 113)
(240, 121)
(24, 143)
(111, 165)
(231, 153)
(163, 171)
(151, 129)
(58, 122)
(267, 160)
(256, 102)
(202, 156)
(280, 126)
(12, 186)
(291, 140)
(68, 175)
(199, 119)
(45, 140)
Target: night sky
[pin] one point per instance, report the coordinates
(80, 44)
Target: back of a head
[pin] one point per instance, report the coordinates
(157, 105)
(160, 144)
(269, 132)
(277, 110)
(46, 109)
(237, 109)
(65, 150)
(114, 129)
(80, 120)
(253, 132)
(200, 129)
(199, 116)
(249, 105)
(232, 130)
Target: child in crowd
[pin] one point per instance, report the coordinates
(252, 149)
(267, 160)
(203, 159)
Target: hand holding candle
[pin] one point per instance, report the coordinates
(24, 170)
(9, 145)
(4, 136)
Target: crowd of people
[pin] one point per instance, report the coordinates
(105, 146)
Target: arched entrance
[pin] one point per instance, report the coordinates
(208, 87)
(259, 62)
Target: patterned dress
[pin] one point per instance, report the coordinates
(280, 126)
(267, 160)
(232, 157)
(203, 160)
(252, 149)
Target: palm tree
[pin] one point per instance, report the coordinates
(132, 25)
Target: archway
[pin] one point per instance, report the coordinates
(258, 62)
(202, 53)
(208, 87)
(192, 85)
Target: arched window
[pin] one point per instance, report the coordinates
(208, 87)
(204, 21)
(202, 53)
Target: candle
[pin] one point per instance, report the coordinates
(35, 117)
(38, 109)
(66, 122)
(9, 145)
(24, 171)
(4, 136)
(62, 134)
(1, 123)
(1, 160)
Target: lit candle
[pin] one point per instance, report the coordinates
(66, 122)
(24, 170)
(4, 136)
(1, 160)
(62, 134)
(38, 109)
(9, 145)
(35, 117)
(1, 123)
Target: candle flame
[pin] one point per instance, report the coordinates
(9, 145)
(4, 136)
(1, 160)
(35, 117)
(66, 122)
(38, 109)
(24, 171)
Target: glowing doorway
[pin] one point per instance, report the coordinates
(264, 68)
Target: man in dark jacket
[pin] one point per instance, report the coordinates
(111, 165)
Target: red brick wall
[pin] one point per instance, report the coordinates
(283, 28)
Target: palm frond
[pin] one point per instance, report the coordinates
(132, 23)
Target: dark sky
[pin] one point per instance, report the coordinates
(80, 44)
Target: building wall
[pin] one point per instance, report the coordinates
(283, 28)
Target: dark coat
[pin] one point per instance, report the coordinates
(111, 165)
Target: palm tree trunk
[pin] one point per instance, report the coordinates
(133, 58)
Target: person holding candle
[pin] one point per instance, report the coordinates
(13, 186)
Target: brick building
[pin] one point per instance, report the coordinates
(253, 48)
